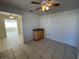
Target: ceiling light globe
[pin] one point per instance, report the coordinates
(10, 17)
(47, 8)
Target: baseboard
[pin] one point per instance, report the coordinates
(62, 43)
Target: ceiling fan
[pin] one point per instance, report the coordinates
(45, 5)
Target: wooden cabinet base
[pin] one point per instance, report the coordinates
(38, 34)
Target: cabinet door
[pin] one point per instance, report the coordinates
(40, 35)
(35, 37)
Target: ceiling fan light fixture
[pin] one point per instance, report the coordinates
(47, 8)
(46, 5)
(43, 8)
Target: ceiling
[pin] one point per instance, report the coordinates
(26, 5)
(8, 14)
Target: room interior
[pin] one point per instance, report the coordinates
(10, 27)
(60, 26)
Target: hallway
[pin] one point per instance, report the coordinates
(12, 40)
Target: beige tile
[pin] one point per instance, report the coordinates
(17, 52)
(21, 56)
(29, 52)
(70, 55)
(7, 55)
(51, 51)
(67, 57)
(59, 53)
(0, 48)
(0, 55)
(26, 47)
(17, 48)
(47, 55)
(40, 51)
(34, 56)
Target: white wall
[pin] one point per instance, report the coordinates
(30, 21)
(62, 26)
(20, 25)
(2, 27)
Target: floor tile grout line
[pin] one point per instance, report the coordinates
(54, 52)
(44, 51)
(1, 49)
(24, 52)
(76, 54)
(11, 50)
(64, 53)
(32, 53)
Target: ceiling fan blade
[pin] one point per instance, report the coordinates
(48, 0)
(38, 8)
(35, 2)
(43, 0)
(56, 4)
(31, 10)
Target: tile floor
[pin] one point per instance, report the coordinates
(43, 49)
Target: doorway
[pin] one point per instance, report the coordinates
(11, 26)
(12, 31)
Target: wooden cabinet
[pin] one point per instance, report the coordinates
(38, 34)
